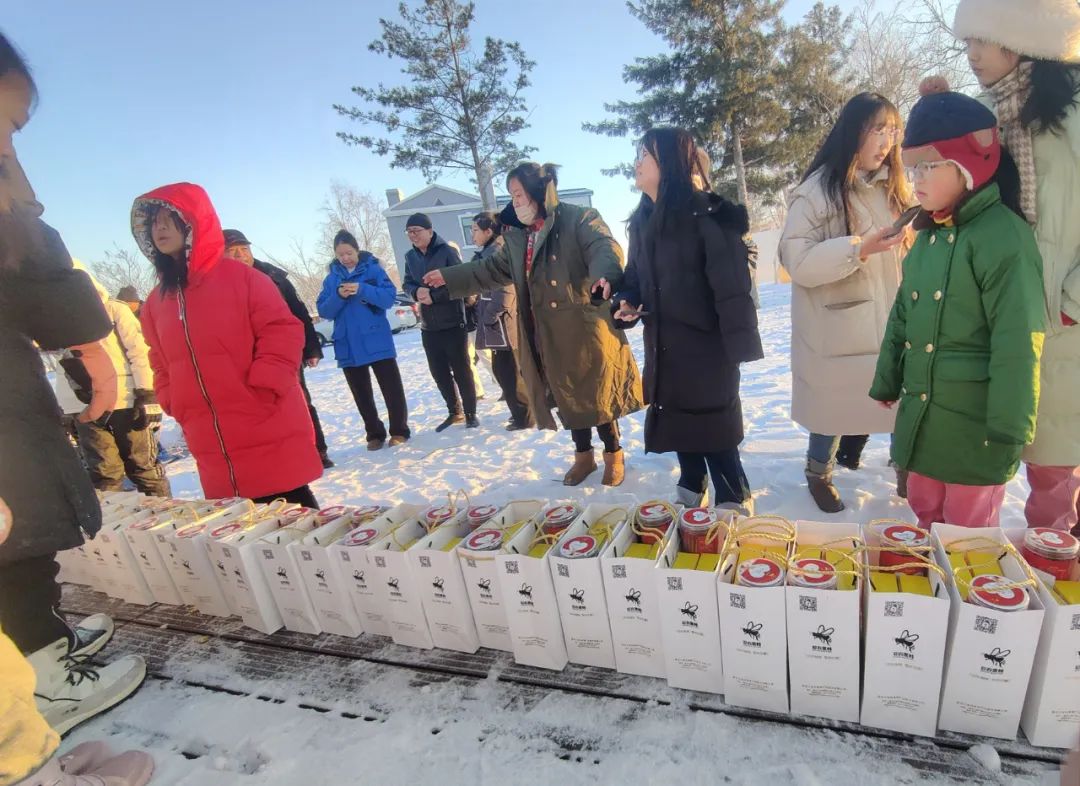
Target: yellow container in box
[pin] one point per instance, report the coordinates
(1066, 593)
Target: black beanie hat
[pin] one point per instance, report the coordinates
(418, 220)
(945, 115)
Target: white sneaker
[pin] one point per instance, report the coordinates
(70, 690)
(92, 634)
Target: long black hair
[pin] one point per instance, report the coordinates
(11, 62)
(346, 237)
(534, 178)
(838, 157)
(676, 155)
(489, 220)
(1054, 89)
(172, 272)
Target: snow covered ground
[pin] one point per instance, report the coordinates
(490, 732)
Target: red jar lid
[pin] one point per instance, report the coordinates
(297, 513)
(484, 540)
(577, 547)
(438, 514)
(226, 529)
(190, 531)
(993, 593)
(228, 503)
(360, 536)
(482, 512)
(1052, 543)
(697, 519)
(145, 524)
(814, 573)
(760, 572)
(905, 535)
(654, 514)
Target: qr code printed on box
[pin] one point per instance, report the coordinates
(618, 571)
(306, 555)
(1076, 622)
(674, 583)
(511, 566)
(471, 563)
(807, 603)
(267, 554)
(986, 625)
(894, 608)
(425, 562)
(564, 571)
(380, 561)
(345, 557)
(738, 601)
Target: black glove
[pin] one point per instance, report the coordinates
(147, 410)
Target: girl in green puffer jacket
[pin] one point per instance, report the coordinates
(962, 347)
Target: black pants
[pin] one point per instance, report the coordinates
(448, 360)
(300, 496)
(726, 469)
(29, 596)
(504, 367)
(320, 438)
(608, 433)
(388, 375)
(116, 449)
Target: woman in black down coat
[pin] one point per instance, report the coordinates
(688, 279)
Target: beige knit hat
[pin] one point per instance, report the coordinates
(1044, 29)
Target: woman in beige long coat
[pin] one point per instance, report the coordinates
(844, 261)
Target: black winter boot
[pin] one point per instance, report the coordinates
(819, 481)
(849, 452)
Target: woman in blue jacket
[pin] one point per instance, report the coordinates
(355, 295)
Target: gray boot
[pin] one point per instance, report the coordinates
(819, 481)
(690, 499)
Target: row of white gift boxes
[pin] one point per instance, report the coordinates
(881, 624)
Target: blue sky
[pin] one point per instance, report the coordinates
(237, 96)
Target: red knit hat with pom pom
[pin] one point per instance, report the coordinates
(958, 127)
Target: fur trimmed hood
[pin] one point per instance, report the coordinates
(1043, 29)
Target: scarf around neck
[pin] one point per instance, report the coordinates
(1009, 95)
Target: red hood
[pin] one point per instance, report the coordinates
(206, 244)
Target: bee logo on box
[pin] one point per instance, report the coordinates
(906, 642)
(689, 612)
(395, 591)
(526, 595)
(438, 585)
(578, 598)
(633, 599)
(358, 577)
(320, 574)
(145, 559)
(752, 633)
(283, 575)
(822, 639)
(996, 658)
(485, 589)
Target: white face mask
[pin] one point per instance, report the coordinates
(526, 215)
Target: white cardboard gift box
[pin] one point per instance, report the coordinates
(282, 574)
(579, 588)
(689, 624)
(437, 573)
(479, 571)
(532, 611)
(904, 659)
(989, 654)
(353, 571)
(1051, 714)
(329, 597)
(824, 633)
(235, 545)
(633, 608)
(396, 587)
(128, 582)
(140, 537)
(753, 638)
(184, 553)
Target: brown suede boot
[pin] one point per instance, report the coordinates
(614, 468)
(584, 465)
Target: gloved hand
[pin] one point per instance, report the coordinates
(147, 409)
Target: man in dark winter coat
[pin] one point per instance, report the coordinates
(129, 296)
(442, 321)
(238, 247)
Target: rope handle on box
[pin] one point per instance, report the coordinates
(641, 530)
(920, 554)
(604, 531)
(1006, 549)
(834, 545)
(475, 556)
(751, 526)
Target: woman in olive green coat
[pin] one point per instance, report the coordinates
(962, 346)
(564, 264)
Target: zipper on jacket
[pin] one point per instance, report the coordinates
(206, 395)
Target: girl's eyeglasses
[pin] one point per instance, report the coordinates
(923, 169)
(889, 134)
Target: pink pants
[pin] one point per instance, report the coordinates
(1053, 499)
(953, 503)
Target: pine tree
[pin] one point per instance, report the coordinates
(460, 109)
(719, 82)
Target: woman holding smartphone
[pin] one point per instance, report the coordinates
(843, 254)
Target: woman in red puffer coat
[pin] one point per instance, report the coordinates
(224, 349)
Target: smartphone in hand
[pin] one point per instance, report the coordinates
(905, 218)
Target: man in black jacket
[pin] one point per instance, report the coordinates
(238, 247)
(442, 322)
